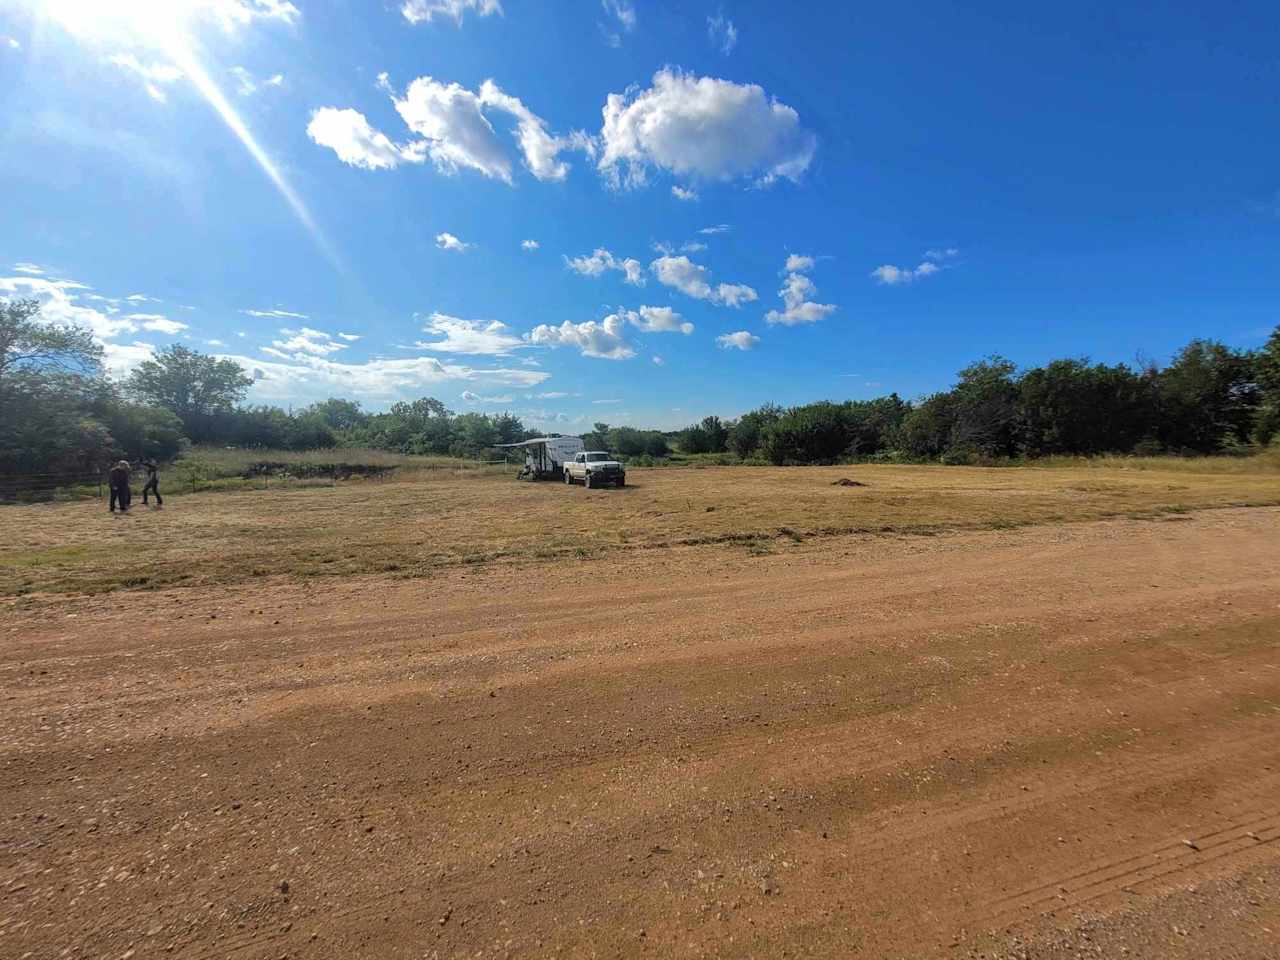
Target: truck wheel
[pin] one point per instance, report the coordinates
(621, 484)
(568, 479)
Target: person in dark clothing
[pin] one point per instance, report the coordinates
(118, 481)
(153, 482)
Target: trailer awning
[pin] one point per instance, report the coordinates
(529, 443)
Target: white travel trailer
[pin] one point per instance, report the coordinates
(544, 457)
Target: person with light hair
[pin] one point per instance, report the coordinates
(118, 481)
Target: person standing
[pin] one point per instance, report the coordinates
(153, 482)
(118, 481)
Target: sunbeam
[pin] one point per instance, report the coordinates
(167, 26)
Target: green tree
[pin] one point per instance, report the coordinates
(1073, 407)
(1209, 398)
(1267, 371)
(28, 343)
(195, 386)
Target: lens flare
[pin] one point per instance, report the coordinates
(167, 28)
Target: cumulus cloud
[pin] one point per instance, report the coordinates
(658, 361)
(722, 33)
(304, 340)
(601, 260)
(605, 339)
(933, 261)
(891, 276)
(10, 42)
(529, 245)
(486, 337)
(303, 377)
(658, 320)
(693, 280)
(424, 11)
(680, 193)
(447, 241)
(157, 323)
(452, 131)
(348, 134)
(60, 302)
(796, 290)
(738, 340)
(703, 128)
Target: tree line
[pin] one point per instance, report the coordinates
(60, 413)
(1209, 399)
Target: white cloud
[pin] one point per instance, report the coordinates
(797, 307)
(471, 397)
(658, 360)
(141, 298)
(215, 343)
(59, 303)
(447, 241)
(304, 377)
(154, 75)
(241, 334)
(11, 43)
(349, 337)
(304, 340)
(680, 193)
(551, 395)
(798, 263)
(605, 339)
(601, 260)
(247, 85)
(693, 280)
(891, 276)
(945, 253)
(120, 358)
(739, 340)
(704, 128)
(722, 33)
(156, 323)
(657, 320)
(693, 246)
(29, 268)
(419, 11)
(454, 132)
(486, 337)
(529, 245)
(623, 15)
(718, 228)
(278, 314)
(348, 134)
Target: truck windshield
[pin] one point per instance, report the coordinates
(597, 457)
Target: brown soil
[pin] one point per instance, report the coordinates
(1045, 742)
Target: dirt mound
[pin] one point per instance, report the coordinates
(846, 482)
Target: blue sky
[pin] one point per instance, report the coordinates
(732, 203)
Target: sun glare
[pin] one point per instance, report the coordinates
(155, 23)
(166, 28)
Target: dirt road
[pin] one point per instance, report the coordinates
(1054, 741)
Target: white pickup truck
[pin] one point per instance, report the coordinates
(594, 468)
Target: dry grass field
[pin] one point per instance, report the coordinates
(428, 519)
(953, 713)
